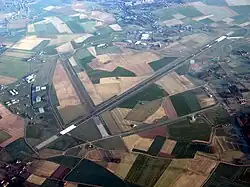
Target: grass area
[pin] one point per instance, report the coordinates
(66, 161)
(44, 30)
(98, 39)
(240, 32)
(34, 131)
(150, 93)
(109, 49)
(227, 175)
(183, 69)
(207, 21)
(88, 172)
(52, 182)
(240, 19)
(89, 26)
(242, 10)
(19, 150)
(215, 2)
(4, 136)
(15, 67)
(185, 103)
(50, 50)
(54, 98)
(86, 131)
(158, 64)
(188, 150)
(164, 13)
(186, 131)
(146, 170)
(218, 116)
(41, 46)
(189, 11)
(64, 142)
(75, 27)
(156, 146)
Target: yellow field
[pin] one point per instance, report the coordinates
(65, 48)
(36, 179)
(28, 43)
(168, 146)
(124, 167)
(6, 80)
(43, 168)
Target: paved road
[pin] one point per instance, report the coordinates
(113, 102)
(145, 127)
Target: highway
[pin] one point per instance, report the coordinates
(113, 102)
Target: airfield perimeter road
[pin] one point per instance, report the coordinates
(148, 127)
(113, 102)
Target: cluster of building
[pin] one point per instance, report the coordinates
(36, 97)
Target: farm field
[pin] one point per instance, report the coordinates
(67, 96)
(150, 93)
(64, 142)
(146, 170)
(66, 161)
(11, 125)
(182, 173)
(82, 174)
(228, 175)
(43, 168)
(186, 131)
(17, 150)
(185, 103)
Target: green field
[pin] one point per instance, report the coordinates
(15, 67)
(228, 175)
(189, 11)
(188, 150)
(240, 19)
(89, 26)
(207, 21)
(41, 46)
(218, 116)
(51, 182)
(150, 93)
(64, 142)
(33, 131)
(164, 13)
(50, 50)
(185, 103)
(186, 131)
(54, 98)
(66, 161)
(242, 10)
(109, 49)
(87, 131)
(88, 172)
(45, 30)
(19, 150)
(4, 136)
(156, 146)
(75, 27)
(158, 64)
(146, 170)
(215, 2)
(240, 33)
